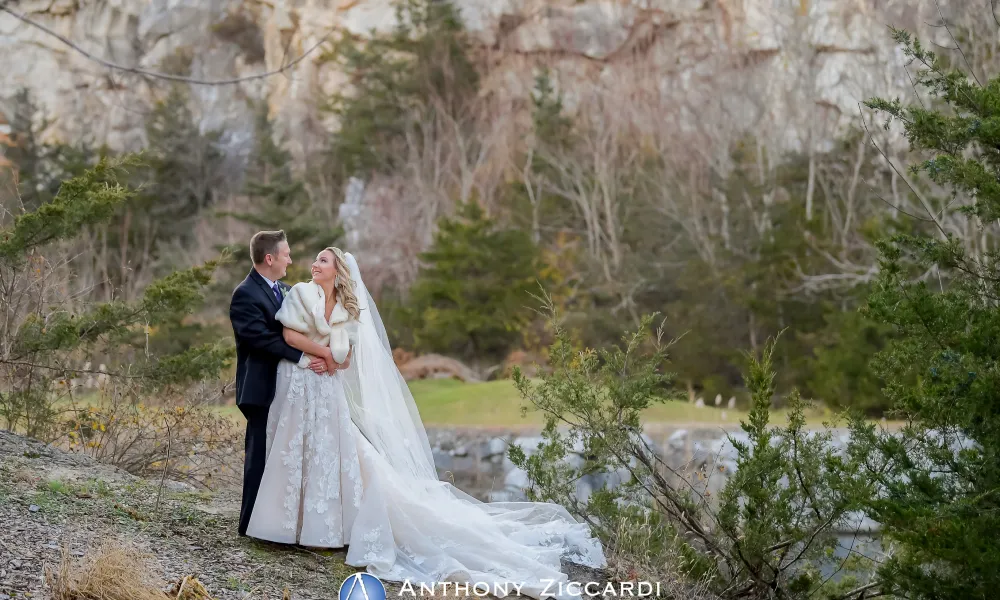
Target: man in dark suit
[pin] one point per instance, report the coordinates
(260, 345)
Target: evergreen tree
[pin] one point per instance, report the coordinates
(399, 82)
(938, 479)
(839, 368)
(471, 294)
(186, 169)
(42, 337)
(552, 135)
(549, 122)
(768, 531)
(279, 200)
(41, 168)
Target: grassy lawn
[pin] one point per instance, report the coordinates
(497, 403)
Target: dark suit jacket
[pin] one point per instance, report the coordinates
(259, 342)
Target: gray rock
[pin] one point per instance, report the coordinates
(594, 29)
(516, 478)
(443, 461)
(574, 460)
(677, 439)
(496, 446)
(830, 56)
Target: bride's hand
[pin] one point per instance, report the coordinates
(317, 365)
(331, 365)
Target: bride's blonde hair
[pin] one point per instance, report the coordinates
(344, 283)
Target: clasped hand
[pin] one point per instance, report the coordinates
(326, 364)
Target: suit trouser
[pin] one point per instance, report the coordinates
(254, 459)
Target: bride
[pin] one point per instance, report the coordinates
(349, 463)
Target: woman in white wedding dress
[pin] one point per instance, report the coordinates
(349, 463)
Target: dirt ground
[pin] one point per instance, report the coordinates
(52, 502)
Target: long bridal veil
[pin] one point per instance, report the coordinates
(381, 403)
(413, 527)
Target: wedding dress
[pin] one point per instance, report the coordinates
(407, 524)
(311, 488)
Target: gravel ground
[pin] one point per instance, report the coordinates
(51, 502)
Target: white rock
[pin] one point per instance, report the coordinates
(804, 68)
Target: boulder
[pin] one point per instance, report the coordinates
(431, 366)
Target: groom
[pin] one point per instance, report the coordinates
(259, 347)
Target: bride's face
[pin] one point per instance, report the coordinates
(323, 270)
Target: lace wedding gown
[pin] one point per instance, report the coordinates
(311, 488)
(350, 464)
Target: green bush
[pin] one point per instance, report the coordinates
(775, 520)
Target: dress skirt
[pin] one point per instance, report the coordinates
(311, 489)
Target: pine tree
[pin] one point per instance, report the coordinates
(938, 479)
(42, 336)
(40, 167)
(279, 200)
(471, 294)
(399, 81)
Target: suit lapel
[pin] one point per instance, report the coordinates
(263, 286)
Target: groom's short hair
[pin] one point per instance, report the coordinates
(265, 242)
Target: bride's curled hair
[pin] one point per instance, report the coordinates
(345, 283)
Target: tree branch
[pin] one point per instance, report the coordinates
(158, 75)
(957, 45)
(859, 590)
(906, 180)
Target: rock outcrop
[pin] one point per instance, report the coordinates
(794, 69)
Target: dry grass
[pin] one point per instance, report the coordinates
(189, 588)
(631, 559)
(112, 571)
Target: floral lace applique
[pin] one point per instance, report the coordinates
(373, 542)
(319, 458)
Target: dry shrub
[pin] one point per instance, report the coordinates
(401, 356)
(112, 571)
(182, 438)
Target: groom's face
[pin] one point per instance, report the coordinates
(281, 260)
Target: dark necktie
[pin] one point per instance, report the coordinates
(277, 293)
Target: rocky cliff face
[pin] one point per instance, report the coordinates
(793, 70)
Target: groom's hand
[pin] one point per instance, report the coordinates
(317, 365)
